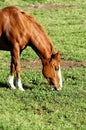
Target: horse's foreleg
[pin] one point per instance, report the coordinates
(15, 66)
(11, 77)
(11, 82)
(18, 82)
(16, 58)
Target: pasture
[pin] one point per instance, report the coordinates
(40, 108)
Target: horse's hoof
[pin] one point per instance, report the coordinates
(21, 89)
(11, 86)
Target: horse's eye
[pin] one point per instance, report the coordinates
(56, 68)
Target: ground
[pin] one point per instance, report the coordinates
(36, 64)
(49, 6)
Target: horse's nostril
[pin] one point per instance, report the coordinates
(58, 88)
(53, 87)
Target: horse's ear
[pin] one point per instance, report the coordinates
(55, 56)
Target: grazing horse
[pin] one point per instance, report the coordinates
(19, 30)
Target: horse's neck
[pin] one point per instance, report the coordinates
(41, 43)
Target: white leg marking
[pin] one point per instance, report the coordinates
(60, 77)
(11, 82)
(19, 85)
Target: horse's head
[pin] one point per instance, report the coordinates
(52, 72)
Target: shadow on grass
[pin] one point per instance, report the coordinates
(42, 86)
(28, 87)
(5, 85)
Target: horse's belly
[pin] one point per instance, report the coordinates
(4, 45)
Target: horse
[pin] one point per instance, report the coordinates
(19, 30)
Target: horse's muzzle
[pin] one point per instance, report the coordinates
(56, 88)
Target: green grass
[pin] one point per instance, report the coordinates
(39, 108)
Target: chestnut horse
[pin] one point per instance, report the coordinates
(19, 30)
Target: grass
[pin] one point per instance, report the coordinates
(39, 108)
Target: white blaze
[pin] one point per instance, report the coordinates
(60, 76)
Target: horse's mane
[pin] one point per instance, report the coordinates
(36, 25)
(40, 30)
